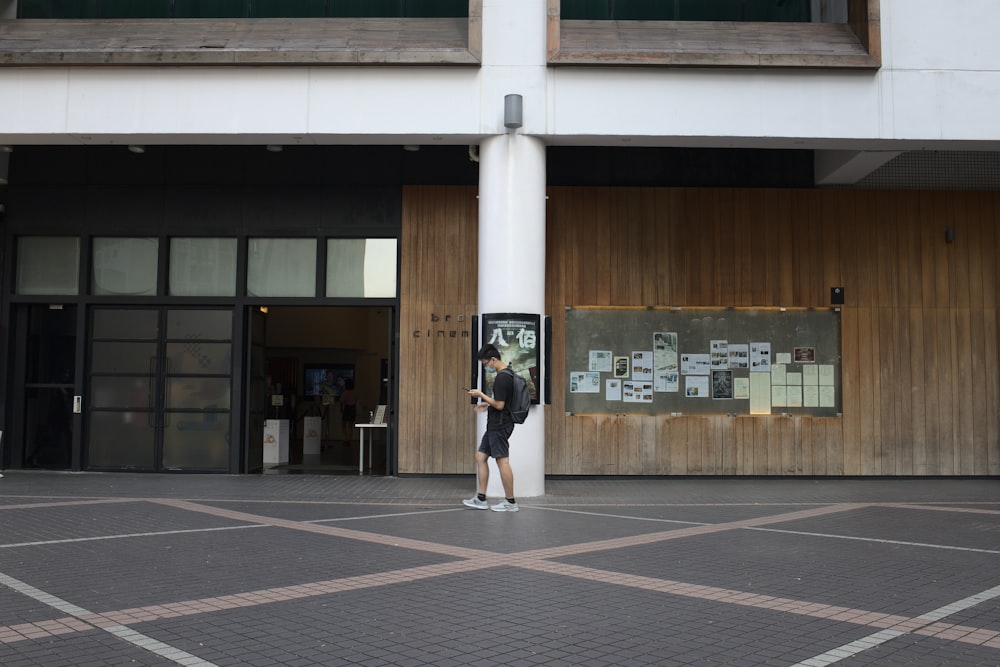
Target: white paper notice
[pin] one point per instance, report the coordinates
(666, 381)
(585, 383)
(760, 393)
(783, 358)
(719, 350)
(779, 396)
(665, 351)
(826, 374)
(741, 388)
(810, 375)
(695, 364)
(600, 361)
(827, 397)
(642, 366)
(696, 386)
(612, 390)
(778, 374)
(810, 396)
(739, 356)
(793, 396)
(760, 356)
(637, 392)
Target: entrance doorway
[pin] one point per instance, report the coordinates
(43, 428)
(319, 360)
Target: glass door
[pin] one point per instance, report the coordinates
(48, 338)
(160, 389)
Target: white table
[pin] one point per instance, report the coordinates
(361, 444)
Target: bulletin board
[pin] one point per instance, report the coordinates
(745, 361)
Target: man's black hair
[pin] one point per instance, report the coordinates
(489, 352)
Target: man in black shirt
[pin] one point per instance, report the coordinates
(499, 426)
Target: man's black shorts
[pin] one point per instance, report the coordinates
(495, 443)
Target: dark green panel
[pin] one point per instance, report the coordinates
(585, 9)
(133, 9)
(211, 9)
(55, 9)
(777, 10)
(288, 8)
(711, 10)
(365, 8)
(435, 8)
(643, 10)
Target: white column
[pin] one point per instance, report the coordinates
(512, 275)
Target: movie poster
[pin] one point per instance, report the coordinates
(517, 337)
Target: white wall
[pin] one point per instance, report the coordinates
(939, 86)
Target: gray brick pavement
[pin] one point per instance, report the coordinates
(310, 570)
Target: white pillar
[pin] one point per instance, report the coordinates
(512, 275)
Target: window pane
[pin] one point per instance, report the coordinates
(281, 267)
(194, 357)
(118, 357)
(200, 324)
(202, 267)
(48, 265)
(197, 393)
(133, 9)
(122, 392)
(196, 441)
(366, 8)
(121, 440)
(288, 8)
(121, 324)
(361, 268)
(53, 9)
(125, 266)
(209, 9)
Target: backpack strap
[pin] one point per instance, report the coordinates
(506, 404)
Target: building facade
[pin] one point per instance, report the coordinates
(209, 207)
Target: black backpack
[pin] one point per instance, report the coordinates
(520, 398)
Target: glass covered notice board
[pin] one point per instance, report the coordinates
(655, 361)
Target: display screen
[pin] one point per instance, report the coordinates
(327, 379)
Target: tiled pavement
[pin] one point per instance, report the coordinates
(111, 569)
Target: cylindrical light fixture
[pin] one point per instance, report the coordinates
(512, 111)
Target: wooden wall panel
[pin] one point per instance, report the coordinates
(920, 334)
(438, 279)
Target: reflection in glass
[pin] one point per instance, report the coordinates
(117, 357)
(361, 268)
(200, 324)
(197, 393)
(48, 265)
(122, 392)
(281, 267)
(196, 358)
(121, 440)
(202, 267)
(122, 324)
(125, 266)
(196, 442)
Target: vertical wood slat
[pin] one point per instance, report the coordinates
(438, 268)
(920, 349)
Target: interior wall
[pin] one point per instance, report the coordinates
(920, 364)
(348, 335)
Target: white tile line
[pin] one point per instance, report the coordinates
(876, 540)
(857, 646)
(128, 535)
(124, 633)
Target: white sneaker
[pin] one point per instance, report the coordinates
(505, 506)
(475, 503)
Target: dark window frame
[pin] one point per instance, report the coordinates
(856, 44)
